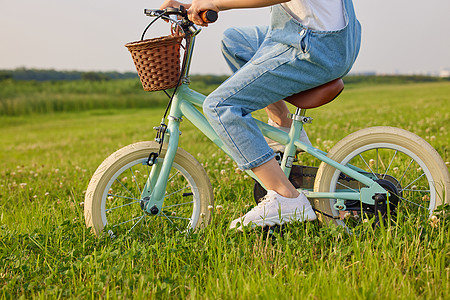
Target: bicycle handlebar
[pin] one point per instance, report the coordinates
(208, 16)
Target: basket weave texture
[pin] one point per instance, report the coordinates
(157, 61)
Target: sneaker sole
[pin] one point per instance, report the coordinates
(308, 215)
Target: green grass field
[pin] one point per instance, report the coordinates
(48, 155)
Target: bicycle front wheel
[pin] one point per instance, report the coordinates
(113, 197)
(402, 162)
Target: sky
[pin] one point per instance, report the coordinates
(399, 36)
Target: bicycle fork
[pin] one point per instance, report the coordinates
(153, 194)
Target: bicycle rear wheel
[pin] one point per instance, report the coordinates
(113, 197)
(399, 160)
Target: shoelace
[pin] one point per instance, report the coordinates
(264, 201)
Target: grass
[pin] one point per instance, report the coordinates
(46, 252)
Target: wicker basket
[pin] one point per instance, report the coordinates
(157, 61)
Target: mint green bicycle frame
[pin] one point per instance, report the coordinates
(185, 103)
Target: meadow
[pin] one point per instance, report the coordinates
(54, 135)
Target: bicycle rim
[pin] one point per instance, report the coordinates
(114, 199)
(401, 162)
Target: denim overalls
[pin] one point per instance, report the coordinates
(269, 64)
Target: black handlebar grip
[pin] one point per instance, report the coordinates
(209, 16)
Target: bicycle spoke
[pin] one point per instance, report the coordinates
(390, 163)
(177, 204)
(402, 198)
(179, 218)
(418, 191)
(143, 216)
(117, 179)
(109, 209)
(131, 220)
(171, 221)
(135, 181)
(168, 195)
(377, 163)
(380, 161)
(414, 181)
(124, 197)
(373, 173)
(171, 177)
(400, 181)
(347, 187)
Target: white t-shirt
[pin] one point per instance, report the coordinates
(325, 15)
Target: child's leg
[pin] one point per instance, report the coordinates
(274, 179)
(239, 44)
(278, 112)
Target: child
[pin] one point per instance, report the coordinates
(308, 43)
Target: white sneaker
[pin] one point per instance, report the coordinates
(277, 147)
(276, 209)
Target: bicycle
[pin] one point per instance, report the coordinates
(373, 172)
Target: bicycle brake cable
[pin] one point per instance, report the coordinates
(163, 127)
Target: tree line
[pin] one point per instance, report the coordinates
(53, 75)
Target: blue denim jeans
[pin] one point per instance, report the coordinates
(269, 64)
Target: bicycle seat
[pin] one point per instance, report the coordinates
(317, 96)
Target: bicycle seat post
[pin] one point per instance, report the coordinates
(294, 134)
(300, 115)
(300, 112)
